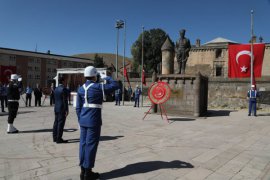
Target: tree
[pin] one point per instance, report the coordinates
(153, 40)
(98, 61)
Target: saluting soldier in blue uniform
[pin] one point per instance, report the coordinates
(89, 104)
(252, 95)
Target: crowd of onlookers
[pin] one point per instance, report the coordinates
(38, 92)
(27, 93)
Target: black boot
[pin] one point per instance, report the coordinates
(82, 173)
(90, 175)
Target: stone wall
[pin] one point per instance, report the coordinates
(232, 93)
(223, 93)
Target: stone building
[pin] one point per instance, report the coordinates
(211, 58)
(35, 67)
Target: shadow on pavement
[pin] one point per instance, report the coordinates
(266, 114)
(109, 138)
(4, 114)
(46, 130)
(214, 113)
(102, 138)
(22, 112)
(181, 119)
(144, 167)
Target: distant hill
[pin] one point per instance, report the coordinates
(107, 58)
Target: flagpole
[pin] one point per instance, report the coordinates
(142, 69)
(252, 57)
(123, 70)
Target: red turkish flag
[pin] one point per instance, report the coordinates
(143, 77)
(6, 71)
(240, 57)
(126, 75)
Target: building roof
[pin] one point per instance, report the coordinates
(43, 55)
(167, 45)
(219, 41)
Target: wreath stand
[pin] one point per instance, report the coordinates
(159, 93)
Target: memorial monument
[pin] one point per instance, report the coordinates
(189, 92)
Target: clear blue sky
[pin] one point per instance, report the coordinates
(70, 27)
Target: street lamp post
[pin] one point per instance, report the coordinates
(119, 24)
(123, 94)
(142, 67)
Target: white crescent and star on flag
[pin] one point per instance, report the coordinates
(245, 52)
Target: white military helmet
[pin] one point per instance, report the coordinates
(14, 77)
(137, 85)
(253, 86)
(90, 71)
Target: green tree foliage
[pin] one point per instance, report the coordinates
(153, 40)
(98, 61)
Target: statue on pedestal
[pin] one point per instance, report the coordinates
(182, 49)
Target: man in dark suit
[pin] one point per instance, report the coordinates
(38, 95)
(60, 111)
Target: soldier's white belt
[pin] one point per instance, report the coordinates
(11, 100)
(92, 105)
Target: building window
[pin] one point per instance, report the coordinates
(218, 71)
(30, 68)
(29, 76)
(37, 60)
(12, 58)
(49, 70)
(37, 76)
(218, 53)
(36, 68)
(31, 60)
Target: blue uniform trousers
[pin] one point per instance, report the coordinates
(137, 101)
(252, 105)
(117, 100)
(89, 140)
(58, 126)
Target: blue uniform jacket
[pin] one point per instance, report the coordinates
(118, 92)
(28, 90)
(137, 93)
(61, 100)
(252, 94)
(91, 117)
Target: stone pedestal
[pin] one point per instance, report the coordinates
(189, 94)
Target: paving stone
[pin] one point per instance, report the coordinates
(199, 173)
(213, 148)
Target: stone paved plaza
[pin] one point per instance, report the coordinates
(225, 145)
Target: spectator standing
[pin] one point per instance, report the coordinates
(28, 95)
(137, 94)
(2, 98)
(38, 95)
